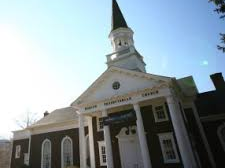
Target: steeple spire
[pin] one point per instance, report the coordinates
(124, 54)
(118, 20)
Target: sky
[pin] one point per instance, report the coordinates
(51, 51)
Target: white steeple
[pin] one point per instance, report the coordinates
(121, 36)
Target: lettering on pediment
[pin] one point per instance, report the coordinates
(149, 93)
(121, 100)
(91, 107)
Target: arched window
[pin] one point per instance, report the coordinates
(46, 154)
(67, 152)
(221, 135)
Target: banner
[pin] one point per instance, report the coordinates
(128, 117)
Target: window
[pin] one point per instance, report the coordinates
(159, 113)
(100, 124)
(168, 148)
(116, 85)
(18, 150)
(221, 135)
(102, 153)
(46, 154)
(67, 152)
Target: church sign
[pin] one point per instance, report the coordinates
(128, 117)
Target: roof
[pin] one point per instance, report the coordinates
(117, 17)
(57, 116)
(97, 82)
(188, 86)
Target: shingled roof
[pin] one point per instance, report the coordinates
(58, 116)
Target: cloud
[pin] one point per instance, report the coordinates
(25, 83)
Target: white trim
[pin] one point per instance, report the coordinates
(220, 128)
(124, 136)
(168, 136)
(42, 146)
(17, 151)
(112, 69)
(131, 137)
(51, 127)
(155, 113)
(159, 91)
(26, 159)
(100, 145)
(21, 134)
(54, 127)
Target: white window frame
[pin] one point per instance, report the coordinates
(26, 159)
(100, 145)
(155, 113)
(42, 147)
(18, 151)
(166, 136)
(62, 158)
(98, 124)
(220, 128)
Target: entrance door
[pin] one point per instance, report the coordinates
(129, 147)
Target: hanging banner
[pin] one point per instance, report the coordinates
(128, 117)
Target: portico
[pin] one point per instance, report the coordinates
(113, 104)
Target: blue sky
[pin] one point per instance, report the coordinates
(51, 51)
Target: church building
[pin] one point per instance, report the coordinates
(127, 118)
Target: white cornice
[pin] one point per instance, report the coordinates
(21, 134)
(56, 127)
(138, 96)
(97, 83)
(53, 127)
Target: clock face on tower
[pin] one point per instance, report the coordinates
(116, 85)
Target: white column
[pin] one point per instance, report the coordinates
(181, 133)
(82, 142)
(108, 144)
(91, 142)
(142, 137)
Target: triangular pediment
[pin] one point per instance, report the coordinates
(129, 81)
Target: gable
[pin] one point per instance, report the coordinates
(130, 81)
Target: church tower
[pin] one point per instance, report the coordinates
(121, 36)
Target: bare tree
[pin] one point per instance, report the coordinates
(27, 119)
